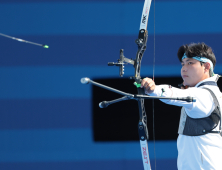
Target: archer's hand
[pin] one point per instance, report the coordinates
(182, 86)
(148, 84)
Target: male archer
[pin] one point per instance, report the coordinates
(199, 142)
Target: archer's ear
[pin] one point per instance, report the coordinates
(207, 66)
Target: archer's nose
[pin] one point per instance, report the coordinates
(184, 69)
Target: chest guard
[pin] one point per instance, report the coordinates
(201, 126)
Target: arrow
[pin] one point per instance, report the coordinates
(21, 40)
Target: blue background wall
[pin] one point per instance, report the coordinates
(45, 113)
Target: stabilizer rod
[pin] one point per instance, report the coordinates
(128, 96)
(105, 104)
(86, 80)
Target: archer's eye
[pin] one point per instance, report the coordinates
(190, 63)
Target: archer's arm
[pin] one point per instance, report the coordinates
(201, 108)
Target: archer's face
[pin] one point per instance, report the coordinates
(192, 72)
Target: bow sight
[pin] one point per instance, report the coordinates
(141, 43)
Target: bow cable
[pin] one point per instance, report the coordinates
(154, 41)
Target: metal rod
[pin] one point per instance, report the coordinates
(104, 104)
(188, 98)
(87, 80)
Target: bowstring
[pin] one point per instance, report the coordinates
(154, 41)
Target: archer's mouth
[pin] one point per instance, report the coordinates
(184, 76)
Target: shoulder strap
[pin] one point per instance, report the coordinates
(217, 106)
(212, 83)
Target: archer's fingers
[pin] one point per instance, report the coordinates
(152, 88)
(149, 86)
(145, 81)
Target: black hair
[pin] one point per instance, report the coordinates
(197, 49)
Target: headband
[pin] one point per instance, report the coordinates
(204, 60)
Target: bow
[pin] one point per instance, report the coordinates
(141, 43)
(142, 125)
